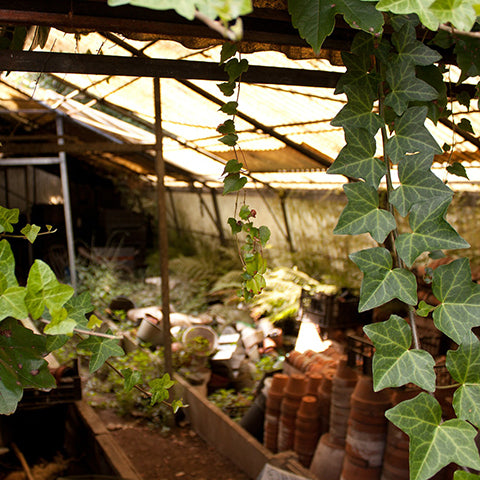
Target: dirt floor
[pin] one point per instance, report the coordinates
(176, 454)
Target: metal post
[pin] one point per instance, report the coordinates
(162, 226)
(66, 204)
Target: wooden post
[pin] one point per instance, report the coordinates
(218, 220)
(162, 226)
(287, 225)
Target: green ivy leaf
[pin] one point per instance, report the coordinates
(235, 68)
(394, 364)
(227, 88)
(418, 183)
(456, 168)
(468, 56)
(159, 388)
(255, 284)
(21, 363)
(430, 231)
(361, 15)
(433, 443)
(359, 65)
(380, 283)
(229, 49)
(356, 159)
(362, 213)
(424, 309)
(412, 50)
(232, 166)
(314, 20)
(459, 311)
(236, 228)
(245, 212)
(177, 405)
(357, 113)
(101, 349)
(230, 108)
(31, 232)
(8, 217)
(432, 75)
(405, 7)
(94, 322)
(229, 139)
(226, 127)
(411, 136)
(233, 182)
(78, 307)
(44, 290)
(264, 234)
(131, 378)
(405, 86)
(7, 267)
(466, 125)
(464, 367)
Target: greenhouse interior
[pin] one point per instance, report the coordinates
(238, 256)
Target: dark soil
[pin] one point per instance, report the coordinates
(178, 453)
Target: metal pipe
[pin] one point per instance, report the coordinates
(66, 204)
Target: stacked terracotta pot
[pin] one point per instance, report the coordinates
(330, 452)
(272, 410)
(307, 429)
(366, 435)
(293, 394)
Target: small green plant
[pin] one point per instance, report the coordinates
(234, 404)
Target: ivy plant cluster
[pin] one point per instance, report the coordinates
(60, 315)
(393, 85)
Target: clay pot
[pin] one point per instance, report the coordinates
(313, 383)
(328, 459)
(357, 470)
(307, 431)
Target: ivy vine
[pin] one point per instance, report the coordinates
(254, 239)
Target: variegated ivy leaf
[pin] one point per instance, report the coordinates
(430, 231)
(356, 159)
(357, 113)
(30, 232)
(418, 183)
(459, 311)
(405, 87)
(72, 315)
(464, 367)
(8, 217)
(44, 290)
(159, 388)
(411, 136)
(460, 13)
(381, 283)
(226, 10)
(433, 443)
(7, 267)
(362, 215)
(101, 349)
(394, 364)
(463, 475)
(420, 7)
(132, 378)
(409, 48)
(21, 363)
(12, 303)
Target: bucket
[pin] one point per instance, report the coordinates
(150, 332)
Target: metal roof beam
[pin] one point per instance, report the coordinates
(53, 62)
